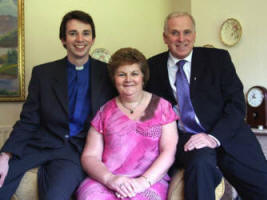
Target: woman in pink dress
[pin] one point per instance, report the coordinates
(132, 141)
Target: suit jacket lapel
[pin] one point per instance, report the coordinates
(60, 83)
(163, 70)
(96, 82)
(197, 69)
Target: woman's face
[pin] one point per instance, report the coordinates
(128, 80)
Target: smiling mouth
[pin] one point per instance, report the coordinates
(181, 46)
(128, 85)
(80, 46)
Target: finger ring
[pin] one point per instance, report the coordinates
(118, 195)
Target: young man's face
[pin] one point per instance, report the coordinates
(79, 40)
(180, 36)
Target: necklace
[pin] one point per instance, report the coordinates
(131, 110)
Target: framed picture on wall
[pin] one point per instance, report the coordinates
(12, 86)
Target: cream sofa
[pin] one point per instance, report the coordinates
(28, 190)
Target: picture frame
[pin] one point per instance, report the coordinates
(12, 80)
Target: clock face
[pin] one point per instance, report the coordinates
(255, 97)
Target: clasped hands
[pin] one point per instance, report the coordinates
(126, 187)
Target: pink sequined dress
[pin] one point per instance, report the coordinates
(131, 146)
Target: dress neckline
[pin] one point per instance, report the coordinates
(144, 113)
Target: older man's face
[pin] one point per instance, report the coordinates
(180, 36)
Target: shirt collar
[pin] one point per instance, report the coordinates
(172, 60)
(73, 67)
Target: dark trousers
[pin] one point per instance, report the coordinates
(58, 176)
(205, 167)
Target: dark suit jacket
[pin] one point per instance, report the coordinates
(44, 120)
(217, 97)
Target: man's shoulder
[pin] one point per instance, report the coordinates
(209, 51)
(51, 64)
(158, 61)
(97, 63)
(54, 65)
(159, 56)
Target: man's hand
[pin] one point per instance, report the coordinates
(4, 158)
(199, 141)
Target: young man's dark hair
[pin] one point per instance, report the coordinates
(78, 15)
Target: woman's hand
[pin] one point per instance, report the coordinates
(140, 184)
(122, 185)
(127, 187)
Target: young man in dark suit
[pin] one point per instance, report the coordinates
(204, 89)
(63, 97)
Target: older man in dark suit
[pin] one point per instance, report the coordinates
(204, 89)
(63, 97)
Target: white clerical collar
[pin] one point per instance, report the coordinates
(79, 68)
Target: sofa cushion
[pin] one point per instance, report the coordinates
(28, 186)
(176, 188)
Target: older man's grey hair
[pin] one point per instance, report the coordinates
(178, 14)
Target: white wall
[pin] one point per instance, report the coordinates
(249, 55)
